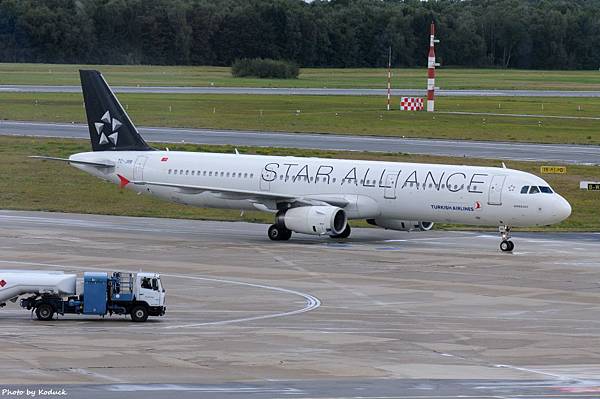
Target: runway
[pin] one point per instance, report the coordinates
(383, 314)
(560, 153)
(303, 91)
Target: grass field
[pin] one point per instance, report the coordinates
(29, 184)
(334, 114)
(447, 78)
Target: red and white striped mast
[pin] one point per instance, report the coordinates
(431, 64)
(389, 82)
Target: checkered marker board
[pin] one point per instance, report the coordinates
(411, 104)
(2, 283)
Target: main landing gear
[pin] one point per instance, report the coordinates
(279, 233)
(506, 245)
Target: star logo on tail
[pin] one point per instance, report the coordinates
(108, 129)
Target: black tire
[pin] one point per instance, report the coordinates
(507, 246)
(44, 312)
(278, 233)
(139, 313)
(286, 235)
(343, 234)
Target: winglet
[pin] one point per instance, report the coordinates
(123, 180)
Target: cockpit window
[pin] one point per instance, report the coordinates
(525, 190)
(534, 190)
(546, 190)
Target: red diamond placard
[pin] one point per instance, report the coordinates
(2, 283)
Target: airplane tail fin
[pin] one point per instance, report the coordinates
(109, 125)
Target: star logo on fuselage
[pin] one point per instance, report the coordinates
(110, 126)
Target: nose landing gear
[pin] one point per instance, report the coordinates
(506, 245)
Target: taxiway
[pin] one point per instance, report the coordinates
(562, 153)
(302, 91)
(384, 314)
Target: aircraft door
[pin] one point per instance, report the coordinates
(265, 185)
(138, 168)
(390, 185)
(495, 193)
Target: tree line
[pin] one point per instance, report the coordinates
(550, 34)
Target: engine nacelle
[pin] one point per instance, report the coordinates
(401, 225)
(316, 220)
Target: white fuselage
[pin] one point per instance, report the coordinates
(470, 195)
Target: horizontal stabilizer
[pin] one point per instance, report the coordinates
(100, 164)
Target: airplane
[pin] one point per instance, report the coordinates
(311, 195)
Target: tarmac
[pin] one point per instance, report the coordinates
(562, 153)
(439, 314)
(302, 91)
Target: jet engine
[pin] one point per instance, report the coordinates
(401, 225)
(314, 220)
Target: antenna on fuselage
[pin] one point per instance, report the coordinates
(503, 165)
(237, 152)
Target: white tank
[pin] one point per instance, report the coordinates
(18, 282)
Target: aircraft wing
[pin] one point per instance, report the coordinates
(258, 196)
(100, 164)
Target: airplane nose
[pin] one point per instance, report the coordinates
(563, 209)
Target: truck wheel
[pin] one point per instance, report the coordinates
(139, 313)
(44, 312)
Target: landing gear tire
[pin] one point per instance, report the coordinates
(44, 312)
(139, 314)
(343, 234)
(279, 233)
(507, 246)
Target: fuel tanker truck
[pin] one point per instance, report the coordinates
(53, 292)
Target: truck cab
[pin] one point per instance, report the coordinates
(149, 290)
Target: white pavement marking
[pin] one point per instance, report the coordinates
(203, 389)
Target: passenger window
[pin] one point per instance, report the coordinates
(534, 190)
(204, 173)
(525, 190)
(245, 175)
(333, 180)
(169, 171)
(180, 171)
(222, 174)
(193, 172)
(251, 175)
(210, 173)
(227, 174)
